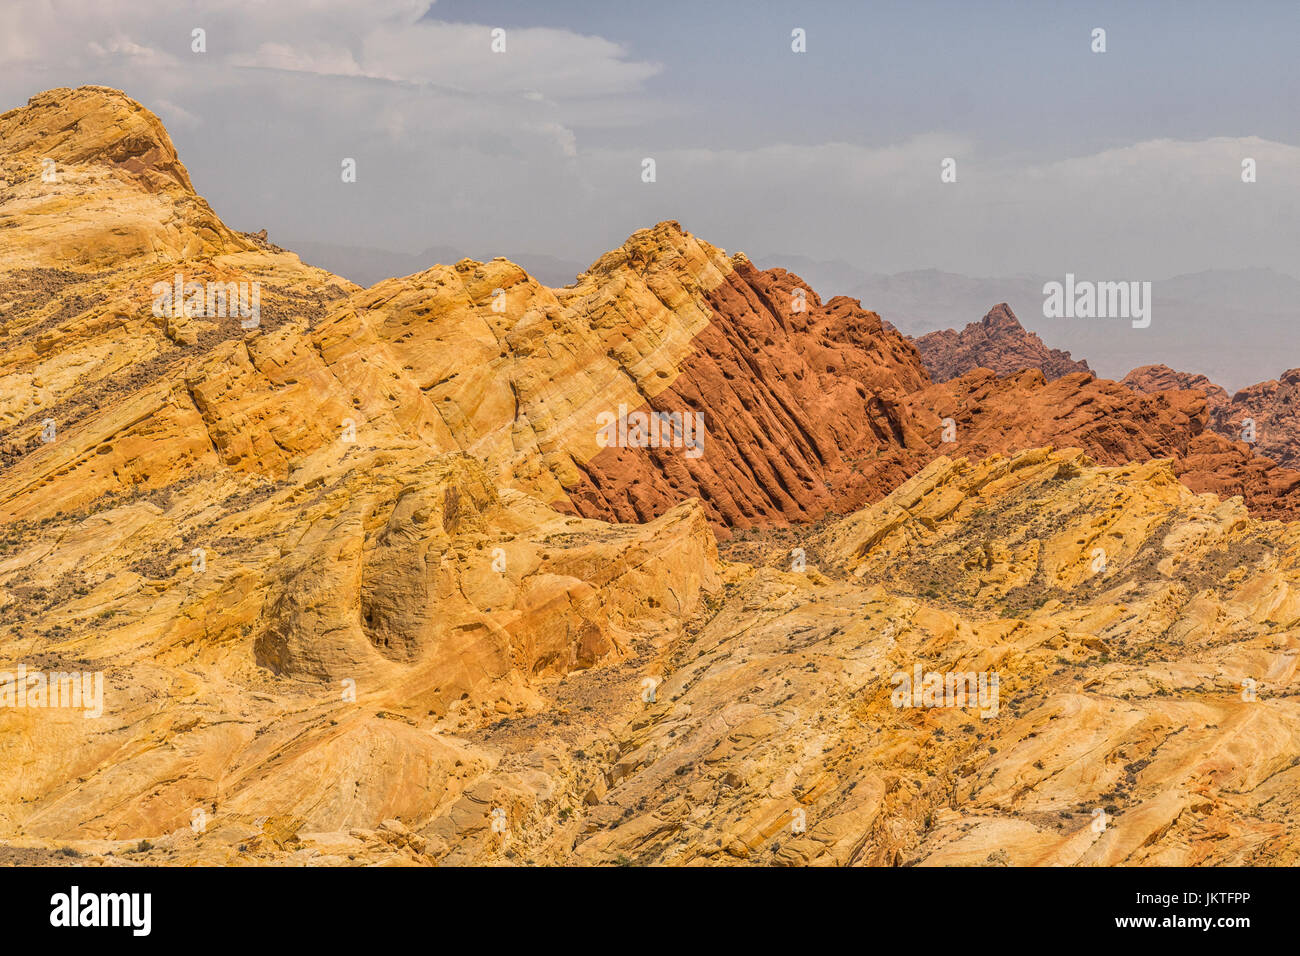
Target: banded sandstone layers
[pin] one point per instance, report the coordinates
(348, 581)
(801, 409)
(803, 401)
(1120, 689)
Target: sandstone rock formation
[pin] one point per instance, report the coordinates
(805, 408)
(1264, 416)
(1112, 423)
(1142, 636)
(82, 253)
(998, 342)
(1120, 574)
(1267, 415)
(363, 584)
(800, 400)
(1161, 378)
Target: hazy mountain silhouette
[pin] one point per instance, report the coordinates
(1236, 326)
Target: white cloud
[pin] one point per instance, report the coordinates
(325, 59)
(564, 138)
(173, 115)
(384, 40)
(460, 145)
(123, 48)
(1147, 210)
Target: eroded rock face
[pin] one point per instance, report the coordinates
(92, 178)
(800, 405)
(1118, 573)
(1114, 606)
(310, 615)
(997, 342)
(1267, 416)
(348, 584)
(992, 413)
(1262, 417)
(84, 351)
(1111, 422)
(1161, 378)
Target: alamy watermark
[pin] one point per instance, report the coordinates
(1098, 300)
(651, 430)
(209, 299)
(924, 688)
(75, 908)
(82, 690)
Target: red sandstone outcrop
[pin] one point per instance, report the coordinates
(998, 342)
(1162, 378)
(800, 400)
(1267, 415)
(821, 409)
(1264, 416)
(1112, 423)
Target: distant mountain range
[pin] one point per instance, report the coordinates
(1235, 326)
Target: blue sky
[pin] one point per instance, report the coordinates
(1015, 75)
(1123, 165)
